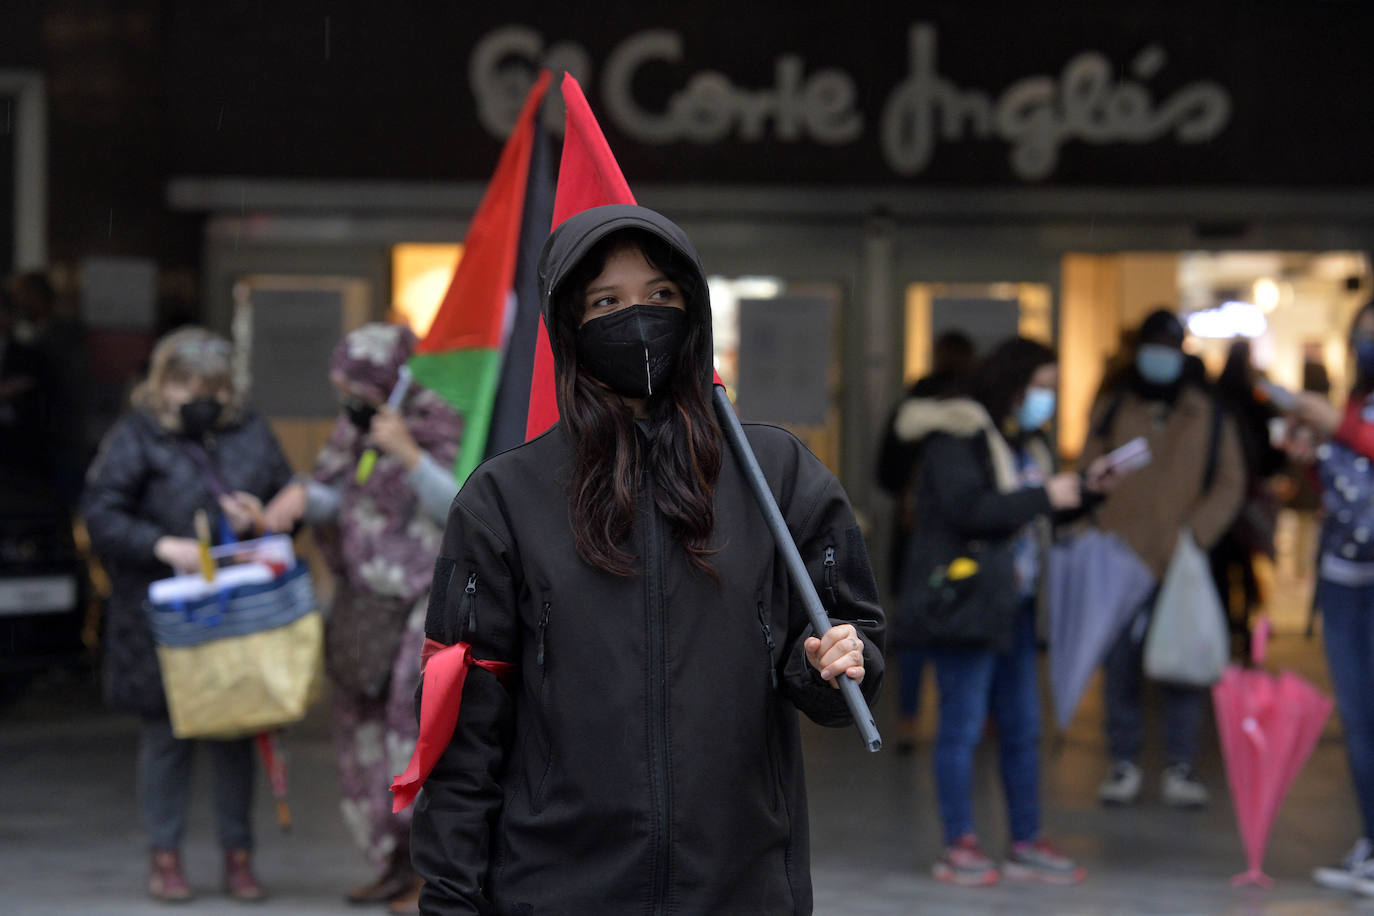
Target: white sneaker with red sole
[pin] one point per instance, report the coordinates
(966, 865)
(1037, 862)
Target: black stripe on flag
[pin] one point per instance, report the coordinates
(517, 365)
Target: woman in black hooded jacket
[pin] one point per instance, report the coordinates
(644, 754)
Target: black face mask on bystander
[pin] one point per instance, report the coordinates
(359, 413)
(199, 416)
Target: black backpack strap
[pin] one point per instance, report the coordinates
(1103, 429)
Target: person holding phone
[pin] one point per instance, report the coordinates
(988, 492)
(1196, 480)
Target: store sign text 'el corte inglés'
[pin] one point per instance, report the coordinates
(1092, 101)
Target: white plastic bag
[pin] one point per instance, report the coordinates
(1187, 643)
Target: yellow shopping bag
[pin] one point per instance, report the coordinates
(241, 659)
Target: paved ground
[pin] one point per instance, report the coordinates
(70, 842)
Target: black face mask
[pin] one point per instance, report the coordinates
(199, 416)
(635, 349)
(359, 413)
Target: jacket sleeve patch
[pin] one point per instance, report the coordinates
(858, 571)
(436, 623)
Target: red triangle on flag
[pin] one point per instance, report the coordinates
(588, 176)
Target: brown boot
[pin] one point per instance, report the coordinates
(166, 881)
(408, 904)
(390, 884)
(239, 880)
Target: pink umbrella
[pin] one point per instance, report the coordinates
(275, 764)
(1269, 726)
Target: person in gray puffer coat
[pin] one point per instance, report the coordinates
(189, 446)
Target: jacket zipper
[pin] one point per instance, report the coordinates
(769, 645)
(543, 626)
(470, 602)
(537, 791)
(768, 735)
(830, 575)
(658, 702)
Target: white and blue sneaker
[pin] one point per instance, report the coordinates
(1355, 873)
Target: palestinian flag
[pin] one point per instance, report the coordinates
(461, 358)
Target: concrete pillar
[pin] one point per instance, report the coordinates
(873, 363)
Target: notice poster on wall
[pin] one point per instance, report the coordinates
(288, 336)
(784, 360)
(986, 320)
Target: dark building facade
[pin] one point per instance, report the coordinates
(891, 160)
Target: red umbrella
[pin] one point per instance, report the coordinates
(275, 764)
(1269, 726)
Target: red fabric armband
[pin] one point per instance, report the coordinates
(445, 670)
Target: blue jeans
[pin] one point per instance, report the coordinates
(911, 664)
(974, 682)
(1124, 684)
(1348, 631)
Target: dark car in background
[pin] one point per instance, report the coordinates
(44, 585)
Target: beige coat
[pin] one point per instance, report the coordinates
(1150, 506)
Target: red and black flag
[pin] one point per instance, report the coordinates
(588, 176)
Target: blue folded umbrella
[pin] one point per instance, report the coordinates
(1096, 583)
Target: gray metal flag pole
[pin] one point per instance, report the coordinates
(796, 569)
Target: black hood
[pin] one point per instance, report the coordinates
(577, 235)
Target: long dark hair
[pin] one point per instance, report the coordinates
(1003, 375)
(685, 447)
(1237, 377)
(1364, 382)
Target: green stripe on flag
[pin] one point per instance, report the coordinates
(467, 380)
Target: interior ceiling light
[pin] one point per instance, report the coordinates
(1266, 293)
(757, 287)
(1228, 320)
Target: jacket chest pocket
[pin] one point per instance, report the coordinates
(538, 751)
